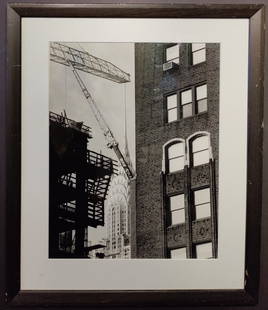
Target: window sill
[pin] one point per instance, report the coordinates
(175, 172)
(187, 118)
(175, 225)
(202, 219)
(198, 64)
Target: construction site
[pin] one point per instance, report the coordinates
(80, 177)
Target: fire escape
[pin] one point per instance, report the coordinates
(79, 181)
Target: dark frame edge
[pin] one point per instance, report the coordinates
(128, 10)
(133, 298)
(13, 154)
(15, 297)
(255, 143)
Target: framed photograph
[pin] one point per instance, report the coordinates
(135, 138)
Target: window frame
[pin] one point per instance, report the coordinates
(166, 107)
(193, 207)
(166, 158)
(169, 215)
(192, 103)
(179, 107)
(200, 243)
(172, 249)
(165, 53)
(196, 100)
(190, 148)
(192, 52)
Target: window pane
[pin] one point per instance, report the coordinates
(172, 101)
(176, 164)
(201, 92)
(200, 143)
(187, 110)
(178, 253)
(198, 46)
(202, 196)
(177, 217)
(204, 250)
(172, 115)
(172, 52)
(176, 150)
(201, 158)
(202, 211)
(176, 202)
(202, 106)
(199, 56)
(186, 96)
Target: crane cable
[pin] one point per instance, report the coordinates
(65, 88)
(125, 106)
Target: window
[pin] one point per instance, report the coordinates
(201, 98)
(200, 150)
(175, 157)
(178, 253)
(198, 53)
(202, 203)
(204, 250)
(177, 212)
(172, 108)
(173, 54)
(186, 103)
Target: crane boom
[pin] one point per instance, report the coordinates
(83, 61)
(111, 142)
(86, 62)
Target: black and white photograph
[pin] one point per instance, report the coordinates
(133, 150)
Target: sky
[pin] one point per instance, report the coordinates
(111, 98)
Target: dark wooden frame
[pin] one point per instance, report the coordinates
(11, 209)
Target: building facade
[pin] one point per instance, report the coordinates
(117, 218)
(177, 133)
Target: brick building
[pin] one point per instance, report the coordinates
(177, 131)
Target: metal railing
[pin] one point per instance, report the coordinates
(99, 160)
(69, 123)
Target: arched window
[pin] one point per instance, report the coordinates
(175, 154)
(199, 149)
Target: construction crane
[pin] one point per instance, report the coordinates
(79, 60)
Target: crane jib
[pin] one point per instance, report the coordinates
(86, 62)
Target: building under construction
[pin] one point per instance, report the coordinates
(79, 181)
(79, 178)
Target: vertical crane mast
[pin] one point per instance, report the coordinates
(83, 61)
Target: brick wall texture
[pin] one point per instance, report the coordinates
(152, 132)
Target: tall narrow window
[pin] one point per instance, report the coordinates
(204, 250)
(200, 150)
(173, 54)
(186, 103)
(201, 98)
(175, 157)
(198, 53)
(178, 253)
(172, 108)
(177, 211)
(202, 203)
